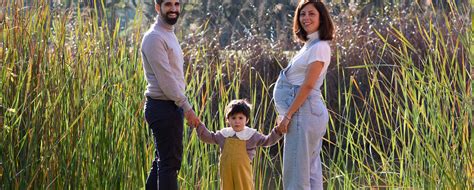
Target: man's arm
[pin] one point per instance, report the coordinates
(155, 52)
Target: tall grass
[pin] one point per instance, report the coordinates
(72, 95)
(72, 101)
(402, 117)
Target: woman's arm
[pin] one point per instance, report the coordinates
(314, 70)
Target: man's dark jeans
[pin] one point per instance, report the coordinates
(166, 121)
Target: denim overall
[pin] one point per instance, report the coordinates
(302, 144)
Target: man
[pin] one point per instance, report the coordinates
(166, 102)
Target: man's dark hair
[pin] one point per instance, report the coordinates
(238, 106)
(326, 27)
(158, 2)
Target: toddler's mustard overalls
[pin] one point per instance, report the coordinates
(235, 168)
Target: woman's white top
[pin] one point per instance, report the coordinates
(321, 51)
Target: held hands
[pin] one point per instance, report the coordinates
(193, 120)
(283, 123)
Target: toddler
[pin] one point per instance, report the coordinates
(238, 145)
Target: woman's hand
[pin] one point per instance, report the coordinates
(283, 123)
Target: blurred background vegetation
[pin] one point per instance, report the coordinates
(233, 19)
(398, 89)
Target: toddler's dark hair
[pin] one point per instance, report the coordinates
(238, 106)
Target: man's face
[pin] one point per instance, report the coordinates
(169, 10)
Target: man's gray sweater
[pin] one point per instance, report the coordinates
(163, 64)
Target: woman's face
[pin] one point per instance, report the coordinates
(309, 18)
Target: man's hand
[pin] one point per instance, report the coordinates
(191, 118)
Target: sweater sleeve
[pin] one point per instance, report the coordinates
(155, 52)
(209, 137)
(266, 140)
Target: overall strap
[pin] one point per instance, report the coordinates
(312, 43)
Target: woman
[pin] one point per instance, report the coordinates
(298, 101)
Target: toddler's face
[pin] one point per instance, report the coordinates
(237, 121)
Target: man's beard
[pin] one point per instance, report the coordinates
(170, 21)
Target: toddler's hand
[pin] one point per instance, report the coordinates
(279, 129)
